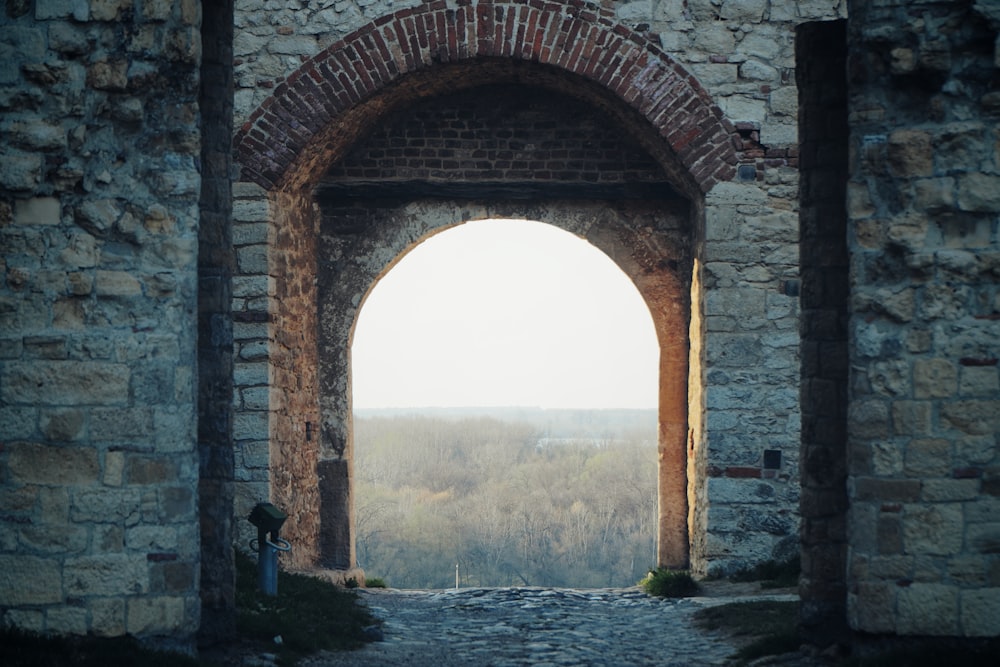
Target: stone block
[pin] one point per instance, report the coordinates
(106, 575)
(980, 612)
(107, 616)
(979, 192)
(928, 458)
(911, 417)
(121, 424)
(117, 283)
(984, 538)
(927, 609)
(934, 378)
(949, 490)
(249, 375)
(871, 608)
(32, 463)
(105, 505)
(37, 211)
(972, 417)
(886, 490)
(934, 530)
(29, 580)
(155, 615)
(18, 423)
(54, 538)
(64, 383)
(66, 621)
(20, 171)
(141, 469)
(176, 504)
(114, 468)
(30, 620)
(151, 538)
(979, 381)
(868, 420)
(911, 153)
(250, 426)
(252, 259)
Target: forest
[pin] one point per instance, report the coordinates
(512, 498)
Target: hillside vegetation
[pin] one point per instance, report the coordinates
(512, 503)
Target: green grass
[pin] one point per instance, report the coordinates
(375, 582)
(669, 583)
(771, 627)
(308, 614)
(26, 649)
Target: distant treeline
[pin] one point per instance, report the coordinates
(503, 502)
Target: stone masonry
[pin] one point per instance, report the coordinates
(922, 199)
(175, 318)
(99, 189)
(743, 380)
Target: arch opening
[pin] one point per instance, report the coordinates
(525, 450)
(504, 313)
(332, 233)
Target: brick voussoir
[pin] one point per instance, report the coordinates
(582, 38)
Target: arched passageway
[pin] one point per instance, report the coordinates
(346, 185)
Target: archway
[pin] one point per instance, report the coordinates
(625, 232)
(307, 131)
(503, 373)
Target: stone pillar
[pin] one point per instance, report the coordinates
(215, 330)
(821, 66)
(99, 216)
(924, 392)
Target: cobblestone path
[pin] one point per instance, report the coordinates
(503, 627)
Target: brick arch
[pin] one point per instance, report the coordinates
(301, 126)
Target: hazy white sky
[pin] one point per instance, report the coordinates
(505, 313)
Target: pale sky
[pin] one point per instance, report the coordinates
(505, 313)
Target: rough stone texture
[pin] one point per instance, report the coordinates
(317, 111)
(821, 63)
(99, 183)
(922, 237)
(118, 245)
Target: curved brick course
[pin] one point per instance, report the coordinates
(578, 38)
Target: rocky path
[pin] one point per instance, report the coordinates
(501, 627)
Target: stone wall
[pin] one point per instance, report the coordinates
(312, 84)
(99, 211)
(923, 200)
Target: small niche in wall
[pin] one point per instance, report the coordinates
(772, 459)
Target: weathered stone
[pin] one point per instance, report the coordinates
(980, 612)
(933, 529)
(20, 171)
(972, 417)
(110, 75)
(927, 609)
(62, 425)
(107, 617)
(150, 470)
(41, 464)
(156, 615)
(106, 575)
(64, 383)
(29, 580)
(979, 381)
(934, 378)
(928, 458)
(911, 417)
(37, 211)
(979, 192)
(984, 538)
